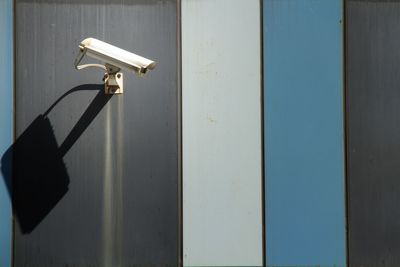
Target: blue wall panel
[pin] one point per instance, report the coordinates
(5, 125)
(304, 161)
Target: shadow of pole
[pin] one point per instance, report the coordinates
(33, 167)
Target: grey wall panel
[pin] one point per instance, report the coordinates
(103, 178)
(373, 124)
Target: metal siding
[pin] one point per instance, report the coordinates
(304, 147)
(222, 202)
(6, 126)
(113, 199)
(373, 121)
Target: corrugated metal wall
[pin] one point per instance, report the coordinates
(373, 123)
(6, 128)
(304, 135)
(96, 176)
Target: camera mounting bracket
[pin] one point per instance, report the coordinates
(113, 79)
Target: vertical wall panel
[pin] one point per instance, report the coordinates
(304, 152)
(373, 121)
(6, 126)
(222, 209)
(103, 183)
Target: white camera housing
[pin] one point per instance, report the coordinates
(114, 59)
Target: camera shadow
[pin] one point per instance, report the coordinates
(33, 167)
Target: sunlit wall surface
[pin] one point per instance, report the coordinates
(246, 68)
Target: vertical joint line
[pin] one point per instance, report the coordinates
(179, 133)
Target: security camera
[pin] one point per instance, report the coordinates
(114, 59)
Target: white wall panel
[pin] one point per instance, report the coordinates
(222, 165)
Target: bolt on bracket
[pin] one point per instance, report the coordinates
(113, 83)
